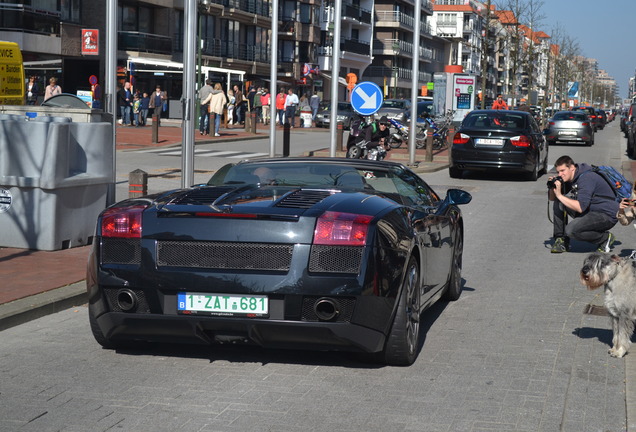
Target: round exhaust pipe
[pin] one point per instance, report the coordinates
(326, 309)
(126, 300)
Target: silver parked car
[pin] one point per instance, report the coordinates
(570, 126)
(345, 114)
(397, 109)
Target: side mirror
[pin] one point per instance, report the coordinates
(458, 196)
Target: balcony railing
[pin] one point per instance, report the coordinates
(395, 17)
(144, 42)
(387, 72)
(355, 46)
(18, 17)
(257, 7)
(357, 13)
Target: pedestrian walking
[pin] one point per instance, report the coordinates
(230, 106)
(258, 105)
(204, 109)
(157, 101)
(124, 101)
(291, 102)
(32, 91)
(314, 103)
(143, 108)
(52, 89)
(499, 104)
(280, 105)
(266, 101)
(218, 100)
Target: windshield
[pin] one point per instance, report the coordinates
(495, 120)
(394, 104)
(570, 116)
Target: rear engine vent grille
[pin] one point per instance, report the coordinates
(224, 255)
(345, 308)
(303, 199)
(335, 259)
(202, 196)
(121, 251)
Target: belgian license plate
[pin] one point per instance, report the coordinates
(569, 133)
(489, 141)
(222, 304)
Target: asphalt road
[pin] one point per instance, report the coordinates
(516, 352)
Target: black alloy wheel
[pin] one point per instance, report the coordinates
(403, 341)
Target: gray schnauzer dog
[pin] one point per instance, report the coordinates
(617, 276)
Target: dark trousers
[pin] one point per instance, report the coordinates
(592, 227)
(290, 113)
(204, 119)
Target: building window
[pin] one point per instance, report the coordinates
(135, 18)
(305, 13)
(70, 10)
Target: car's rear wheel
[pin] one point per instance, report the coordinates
(97, 332)
(534, 174)
(454, 172)
(455, 281)
(403, 342)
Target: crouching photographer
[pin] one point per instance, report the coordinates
(584, 196)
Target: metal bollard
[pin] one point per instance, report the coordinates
(137, 183)
(339, 136)
(155, 129)
(429, 145)
(286, 134)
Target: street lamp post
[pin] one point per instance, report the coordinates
(396, 51)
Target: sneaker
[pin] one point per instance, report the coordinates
(606, 246)
(560, 245)
(216, 134)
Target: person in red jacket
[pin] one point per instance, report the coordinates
(280, 105)
(499, 104)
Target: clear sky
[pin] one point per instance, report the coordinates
(604, 29)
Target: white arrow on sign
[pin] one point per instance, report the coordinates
(370, 102)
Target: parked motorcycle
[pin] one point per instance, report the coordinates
(360, 151)
(400, 134)
(357, 144)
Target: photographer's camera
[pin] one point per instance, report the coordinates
(552, 182)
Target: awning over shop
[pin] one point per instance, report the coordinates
(43, 64)
(341, 80)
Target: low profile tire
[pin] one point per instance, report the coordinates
(534, 174)
(97, 332)
(454, 172)
(403, 341)
(354, 152)
(454, 289)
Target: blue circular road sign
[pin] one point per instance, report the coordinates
(366, 98)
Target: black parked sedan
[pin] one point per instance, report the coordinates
(499, 140)
(570, 126)
(324, 254)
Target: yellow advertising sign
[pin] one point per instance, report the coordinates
(11, 74)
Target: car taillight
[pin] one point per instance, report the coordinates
(520, 141)
(593, 116)
(585, 124)
(122, 222)
(552, 123)
(343, 229)
(460, 138)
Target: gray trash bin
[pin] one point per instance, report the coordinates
(54, 178)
